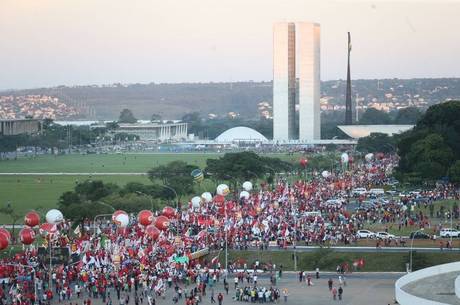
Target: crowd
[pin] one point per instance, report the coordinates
(114, 264)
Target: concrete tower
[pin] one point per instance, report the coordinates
(283, 81)
(308, 43)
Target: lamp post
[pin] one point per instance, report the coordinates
(411, 246)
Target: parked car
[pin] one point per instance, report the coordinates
(448, 232)
(377, 192)
(365, 234)
(419, 235)
(384, 235)
(359, 191)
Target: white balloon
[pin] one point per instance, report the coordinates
(122, 220)
(369, 157)
(244, 194)
(325, 174)
(344, 158)
(247, 186)
(196, 201)
(54, 216)
(222, 189)
(207, 197)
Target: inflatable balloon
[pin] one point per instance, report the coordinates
(47, 229)
(244, 195)
(27, 236)
(196, 201)
(344, 158)
(117, 214)
(152, 232)
(6, 233)
(303, 162)
(247, 186)
(197, 175)
(168, 212)
(325, 174)
(4, 243)
(369, 157)
(162, 223)
(145, 217)
(207, 197)
(32, 219)
(54, 216)
(122, 220)
(223, 190)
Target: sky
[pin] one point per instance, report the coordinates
(80, 42)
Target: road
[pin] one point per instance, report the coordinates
(351, 249)
(73, 174)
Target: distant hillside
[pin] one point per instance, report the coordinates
(171, 101)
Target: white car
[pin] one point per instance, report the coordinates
(377, 192)
(447, 232)
(359, 191)
(385, 235)
(365, 234)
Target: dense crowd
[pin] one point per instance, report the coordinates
(115, 263)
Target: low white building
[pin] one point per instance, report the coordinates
(161, 132)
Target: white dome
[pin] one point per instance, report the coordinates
(240, 134)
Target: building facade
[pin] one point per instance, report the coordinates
(284, 81)
(156, 131)
(306, 37)
(308, 42)
(19, 126)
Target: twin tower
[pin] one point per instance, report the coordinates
(296, 49)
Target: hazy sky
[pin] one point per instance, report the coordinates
(67, 42)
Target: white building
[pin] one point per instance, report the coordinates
(283, 81)
(156, 131)
(308, 44)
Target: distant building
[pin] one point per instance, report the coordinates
(361, 131)
(241, 134)
(20, 126)
(156, 131)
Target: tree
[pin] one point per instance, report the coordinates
(12, 213)
(155, 117)
(126, 116)
(409, 115)
(373, 116)
(376, 142)
(454, 172)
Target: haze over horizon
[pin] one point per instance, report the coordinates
(82, 42)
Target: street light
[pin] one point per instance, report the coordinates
(411, 245)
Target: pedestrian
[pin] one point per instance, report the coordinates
(329, 283)
(220, 298)
(317, 273)
(340, 293)
(285, 294)
(334, 293)
(212, 296)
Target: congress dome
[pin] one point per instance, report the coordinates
(241, 134)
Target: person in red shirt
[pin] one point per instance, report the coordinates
(220, 298)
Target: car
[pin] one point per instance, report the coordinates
(359, 191)
(377, 192)
(365, 234)
(384, 235)
(448, 232)
(419, 235)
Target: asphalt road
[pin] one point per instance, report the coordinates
(351, 249)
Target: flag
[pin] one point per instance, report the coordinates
(77, 231)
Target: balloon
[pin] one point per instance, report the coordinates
(276, 204)
(197, 175)
(222, 189)
(196, 201)
(162, 223)
(369, 157)
(4, 243)
(6, 233)
(207, 197)
(247, 186)
(145, 217)
(244, 194)
(32, 219)
(120, 217)
(169, 212)
(344, 158)
(303, 162)
(325, 174)
(47, 228)
(152, 231)
(27, 236)
(54, 216)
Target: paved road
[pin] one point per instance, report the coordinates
(361, 289)
(364, 249)
(73, 174)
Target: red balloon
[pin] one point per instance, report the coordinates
(145, 217)
(152, 232)
(6, 233)
(169, 212)
(27, 236)
(303, 162)
(116, 213)
(32, 219)
(162, 223)
(4, 242)
(47, 229)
